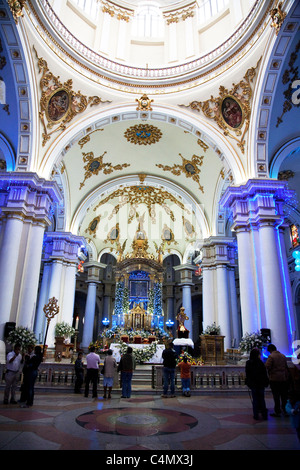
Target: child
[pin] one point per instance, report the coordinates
(185, 374)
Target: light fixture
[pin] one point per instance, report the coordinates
(296, 255)
(105, 321)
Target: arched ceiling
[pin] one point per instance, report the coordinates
(142, 172)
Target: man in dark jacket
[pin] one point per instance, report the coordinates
(126, 367)
(169, 362)
(257, 380)
(279, 379)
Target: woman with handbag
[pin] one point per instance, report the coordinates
(108, 372)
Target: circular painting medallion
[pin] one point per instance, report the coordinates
(232, 112)
(58, 105)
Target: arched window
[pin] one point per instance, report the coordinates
(209, 8)
(90, 7)
(148, 21)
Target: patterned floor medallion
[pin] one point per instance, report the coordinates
(136, 422)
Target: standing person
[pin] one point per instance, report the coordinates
(277, 368)
(126, 366)
(257, 380)
(169, 362)
(110, 365)
(32, 371)
(79, 371)
(92, 368)
(24, 386)
(185, 375)
(13, 363)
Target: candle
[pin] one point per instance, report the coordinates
(76, 323)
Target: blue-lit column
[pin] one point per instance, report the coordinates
(60, 257)
(26, 203)
(257, 209)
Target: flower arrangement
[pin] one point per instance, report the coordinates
(140, 355)
(63, 329)
(23, 336)
(250, 341)
(116, 332)
(212, 330)
(192, 360)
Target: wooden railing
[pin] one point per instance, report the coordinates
(207, 378)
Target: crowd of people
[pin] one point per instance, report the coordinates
(284, 385)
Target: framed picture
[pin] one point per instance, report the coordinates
(58, 105)
(232, 112)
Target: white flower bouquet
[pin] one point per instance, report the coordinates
(23, 336)
(250, 341)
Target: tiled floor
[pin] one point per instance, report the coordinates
(146, 421)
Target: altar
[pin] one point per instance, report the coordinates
(155, 359)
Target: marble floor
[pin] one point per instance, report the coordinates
(144, 422)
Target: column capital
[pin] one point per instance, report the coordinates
(186, 273)
(62, 246)
(219, 251)
(256, 201)
(28, 196)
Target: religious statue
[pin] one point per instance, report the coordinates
(183, 332)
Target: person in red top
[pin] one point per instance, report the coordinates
(185, 375)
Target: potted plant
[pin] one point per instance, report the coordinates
(64, 330)
(250, 341)
(23, 336)
(212, 330)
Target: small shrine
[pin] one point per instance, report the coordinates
(138, 299)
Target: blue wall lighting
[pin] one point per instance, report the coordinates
(296, 255)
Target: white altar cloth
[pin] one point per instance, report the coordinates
(155, 359)
(183, 342)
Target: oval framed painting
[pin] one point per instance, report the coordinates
(58, 105)
(232, 112)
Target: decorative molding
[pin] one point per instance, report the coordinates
(278, 17)
(84, 140)
(143, 134)
(16, 7)
(144, 103)
(231, 110)
(120, 13)
(91, 230)
(191, 168)
(59, 104)
(135, 195)
(94, 165)
(180, 15)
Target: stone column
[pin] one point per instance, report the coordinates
(93, 269)
(61, 256)
(257, 209)
(26, 203)
(219, 301)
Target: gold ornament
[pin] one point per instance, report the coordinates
(143, 134)
(231, 110)
(144, 104)
(191, 168)
(94, 165)
(59, 103)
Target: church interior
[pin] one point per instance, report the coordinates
(149, 192)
